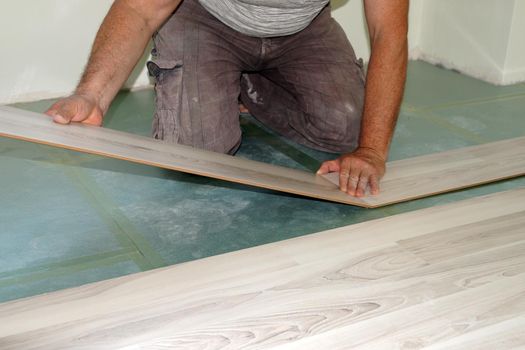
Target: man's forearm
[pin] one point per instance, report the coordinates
(119, 44)
(388, 25)
(384, 92)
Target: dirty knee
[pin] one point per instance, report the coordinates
(335, 127)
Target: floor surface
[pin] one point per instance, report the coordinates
(449, 277)
(67, 219)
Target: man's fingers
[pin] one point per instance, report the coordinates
(330, 166)
(358, 172)
(52, 111)
(76, 108)
(59, 114)
(344, 174)
(343, 180)
(353, 181)
(324, 169)
(349, 177)
(362, 185)
(60, 119)
(374, 185)
(93, 120)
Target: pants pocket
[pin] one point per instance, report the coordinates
(167, 124)
(168, 81)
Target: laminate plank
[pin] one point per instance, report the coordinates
(316, 313)
(429, 323)
(447, 171)
(354, 287)
(455, 273)
(393, 229)
(463, 240)
(506, 335)
(35, 127)
(470, 271)
(406, 179)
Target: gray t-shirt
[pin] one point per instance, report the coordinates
(265, 18)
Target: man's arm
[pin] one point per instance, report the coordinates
(119, 44)
(388, 26)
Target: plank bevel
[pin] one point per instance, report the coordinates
(353, 287)
(405, 179)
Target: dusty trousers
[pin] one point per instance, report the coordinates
(308, 87)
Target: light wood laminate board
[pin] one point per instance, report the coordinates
(382, 284)
(405, 179)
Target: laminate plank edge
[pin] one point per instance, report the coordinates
(38, 128)
(405, 179)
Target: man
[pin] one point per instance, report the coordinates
(289, 62)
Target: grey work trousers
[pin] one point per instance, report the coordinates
(308, 87)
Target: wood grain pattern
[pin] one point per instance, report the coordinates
(406, 179)
(401, 282)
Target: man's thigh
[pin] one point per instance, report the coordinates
(319, 69)
(197, 63)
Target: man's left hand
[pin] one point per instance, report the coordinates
(358, 171)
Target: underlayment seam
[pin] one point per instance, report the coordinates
(119, 225)
(67, 267)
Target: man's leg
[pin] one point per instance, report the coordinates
(311, 87)
(197, 63)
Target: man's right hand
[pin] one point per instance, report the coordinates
(76, 108)
(119, 44)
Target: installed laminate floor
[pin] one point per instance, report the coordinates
(447, 277)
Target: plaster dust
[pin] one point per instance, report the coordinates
(184, 217)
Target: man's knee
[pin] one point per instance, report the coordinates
(335, 125)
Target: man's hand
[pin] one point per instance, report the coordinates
(358, 171)
(118, 46)
(76, 108)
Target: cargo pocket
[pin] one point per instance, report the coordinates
(167, 124)
(361, 69)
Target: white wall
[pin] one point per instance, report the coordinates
(45, 43)
(477, 37)
(515, 61)
(44, 46)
